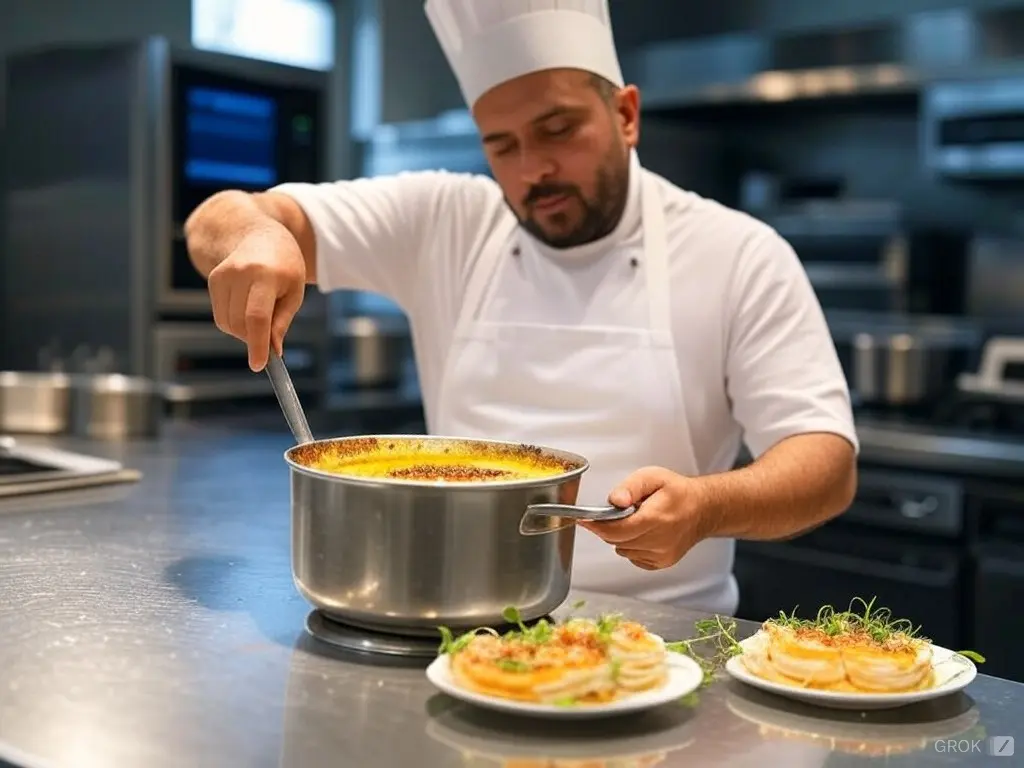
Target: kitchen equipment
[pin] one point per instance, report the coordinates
(408, 557)
(204, 365)
(371, 351)
(34, 402)
(115, 406)
(864, 254)
(175, 125)
(902, 360)
(855, 252)
(404, 556)
(32, 469)
(545, 518)
(897, 369)
(1001, 358)
(995, 283)
(973, 129)
(284, 389)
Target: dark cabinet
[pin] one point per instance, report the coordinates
(998, 597)
(997, 516)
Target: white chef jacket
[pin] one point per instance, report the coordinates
(757, 362)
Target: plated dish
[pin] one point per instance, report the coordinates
(574, 668)
(854, 659)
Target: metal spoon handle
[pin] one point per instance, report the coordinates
(580, 513)
(288, 399)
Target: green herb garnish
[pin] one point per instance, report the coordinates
(539, 633)
(512, 616)
(616, 665)
(511, 665)
(714, 645)
(692, 699)
(452, 644)
(877, 624)
(607, 624)
(973, 656)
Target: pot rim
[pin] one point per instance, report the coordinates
(54, 379)
(372, 482)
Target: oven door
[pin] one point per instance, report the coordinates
(897, 544)
(247, 130)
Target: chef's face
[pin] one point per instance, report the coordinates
(558, 143)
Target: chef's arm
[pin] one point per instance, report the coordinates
(360, 234)
(222, 221)
(790, 396)
(800, 483)
(375, 234)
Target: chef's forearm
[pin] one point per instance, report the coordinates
(217, 226)
(797, 485)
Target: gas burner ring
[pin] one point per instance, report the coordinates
(352, 638)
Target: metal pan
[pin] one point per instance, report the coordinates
(406, 555)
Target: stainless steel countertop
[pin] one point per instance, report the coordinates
(157, 625)
(916, 446)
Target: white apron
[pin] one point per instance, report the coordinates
(610, 393)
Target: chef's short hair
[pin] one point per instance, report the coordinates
(605, 88)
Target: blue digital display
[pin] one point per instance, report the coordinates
(230, 138)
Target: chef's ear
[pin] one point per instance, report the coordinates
(627, 110)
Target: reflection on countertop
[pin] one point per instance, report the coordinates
(157, 624)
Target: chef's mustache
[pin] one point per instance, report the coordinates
(541, 191)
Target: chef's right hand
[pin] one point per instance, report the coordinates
(257, 289)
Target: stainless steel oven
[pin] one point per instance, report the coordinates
(108, 148)
(974, 129)
(207, 365)
(229, 123)
(855, 252)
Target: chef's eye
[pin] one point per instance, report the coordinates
(560, 128)
(506, 148)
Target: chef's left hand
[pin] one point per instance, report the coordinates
(666, 525)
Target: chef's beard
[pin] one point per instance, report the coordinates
(601, 213)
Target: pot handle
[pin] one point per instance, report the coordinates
(546, 518)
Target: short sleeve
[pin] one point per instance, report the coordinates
(374, 234)
(783, 373)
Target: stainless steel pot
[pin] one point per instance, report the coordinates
(374, 350)
(903, 368)
(896, 369)
(902, 360)
(35, 402)
(398, 555)
(112, 406)
(394, 555)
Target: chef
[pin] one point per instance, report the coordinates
(576, 300)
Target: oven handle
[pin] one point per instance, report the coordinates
(907, 574)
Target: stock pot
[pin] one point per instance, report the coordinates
(405, 556)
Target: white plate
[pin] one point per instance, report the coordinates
(953, 673)
(684, 677)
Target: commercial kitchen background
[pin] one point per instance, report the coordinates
(885, 140)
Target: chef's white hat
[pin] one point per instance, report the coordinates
(488, 42)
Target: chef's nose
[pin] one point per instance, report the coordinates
(535, 167)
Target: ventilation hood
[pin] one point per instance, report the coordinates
(890, 58)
